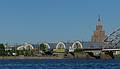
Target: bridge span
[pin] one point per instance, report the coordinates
(110, 49)
(99, 49)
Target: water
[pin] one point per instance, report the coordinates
(60, 64)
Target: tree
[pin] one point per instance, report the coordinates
(43, 47)
(2, 50)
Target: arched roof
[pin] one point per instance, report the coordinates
(79, 44)
(20, 48)
(60, 43)
(28, 46)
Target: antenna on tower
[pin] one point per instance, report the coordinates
(99, 22)
(99, 18)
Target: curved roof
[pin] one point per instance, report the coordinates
(26, 47)
(20, 48)
(77, 44)
(60, 45)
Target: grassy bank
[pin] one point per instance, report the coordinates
(30, 57)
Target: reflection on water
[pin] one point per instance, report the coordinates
(59, 64)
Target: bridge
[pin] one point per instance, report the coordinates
(110, 49)
(111, 45)
(113, 40)
(98, 49)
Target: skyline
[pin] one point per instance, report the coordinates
(34, 21)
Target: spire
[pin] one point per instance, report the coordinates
(99, 22)
(99, 26)
(99, 18)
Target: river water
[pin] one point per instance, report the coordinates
(60, 64)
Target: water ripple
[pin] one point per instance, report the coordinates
(60, 64)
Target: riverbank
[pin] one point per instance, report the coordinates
(30, 57)
(76, 56)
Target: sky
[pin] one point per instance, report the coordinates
(55, 20)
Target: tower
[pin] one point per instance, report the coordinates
(98, 35)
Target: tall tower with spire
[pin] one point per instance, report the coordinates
(99, 34)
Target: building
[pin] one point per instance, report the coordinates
(26, 46)
(98, 35)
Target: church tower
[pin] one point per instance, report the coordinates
(98, 35)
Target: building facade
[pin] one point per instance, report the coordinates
(98, 36)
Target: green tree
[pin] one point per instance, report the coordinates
(2, 50)
(43, 47)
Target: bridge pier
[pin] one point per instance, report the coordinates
(107, 55)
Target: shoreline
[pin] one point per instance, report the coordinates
(29, 57)
(42, 58)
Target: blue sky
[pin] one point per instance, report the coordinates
(55, 20)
